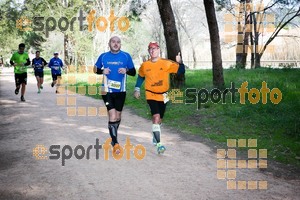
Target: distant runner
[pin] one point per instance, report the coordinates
(56, 64)
(20, 60)
(38, 64)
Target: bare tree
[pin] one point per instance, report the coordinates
(171, 36)
(218, 79)
(292, 14)
(250, 27)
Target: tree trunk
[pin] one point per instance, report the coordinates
(252, 42)
(256, 39)
(66, 52)
(171, 36)
(240, 38)
(218, 79)
(257, 60)
(247, 31)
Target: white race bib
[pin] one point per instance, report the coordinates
(166, 97)
(114, 84)
(56, 68)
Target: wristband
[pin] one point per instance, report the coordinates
(137, 89)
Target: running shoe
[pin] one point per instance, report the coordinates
(17, 91)
(42, 87)
(22, 98)
(39, 91)
(154, 141)
(160, 148)
(116, 149)
(52, 84)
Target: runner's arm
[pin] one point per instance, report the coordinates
(44, 62)
(138, 85)
(139, 82)
(131, 71)
(98, 70)
(32, 64)
(49, 64)
(98, 67)
(11, 61)
(181, 69)
(27, 62)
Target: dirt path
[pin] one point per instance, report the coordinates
(187, 170)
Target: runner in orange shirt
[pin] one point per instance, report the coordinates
(155, 72)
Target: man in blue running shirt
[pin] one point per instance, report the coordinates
(38, 64)
(56, 65)
(114, 65)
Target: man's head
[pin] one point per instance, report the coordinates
(55, 54)
(37, 54)
(21, 48)
(154, 50)
(114, 44)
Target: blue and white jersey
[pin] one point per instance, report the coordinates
(114, 81)
(55, 64)
(38, 64)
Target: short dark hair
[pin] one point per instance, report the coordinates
(22, 45)
(37, 52)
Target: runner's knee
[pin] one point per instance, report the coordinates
(156, 119)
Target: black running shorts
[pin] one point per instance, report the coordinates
(157, 107)
(20, 78)
(114, 100)
(39, 74)
(54, 76)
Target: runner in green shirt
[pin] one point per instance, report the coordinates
(20, 60)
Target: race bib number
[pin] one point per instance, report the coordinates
(114, 84)
(22, 68)
(166, 97)
(56, 67)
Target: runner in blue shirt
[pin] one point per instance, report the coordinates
(114, 65)
(38, 64)
(56, 65)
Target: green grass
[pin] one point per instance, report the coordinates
(276, 127)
